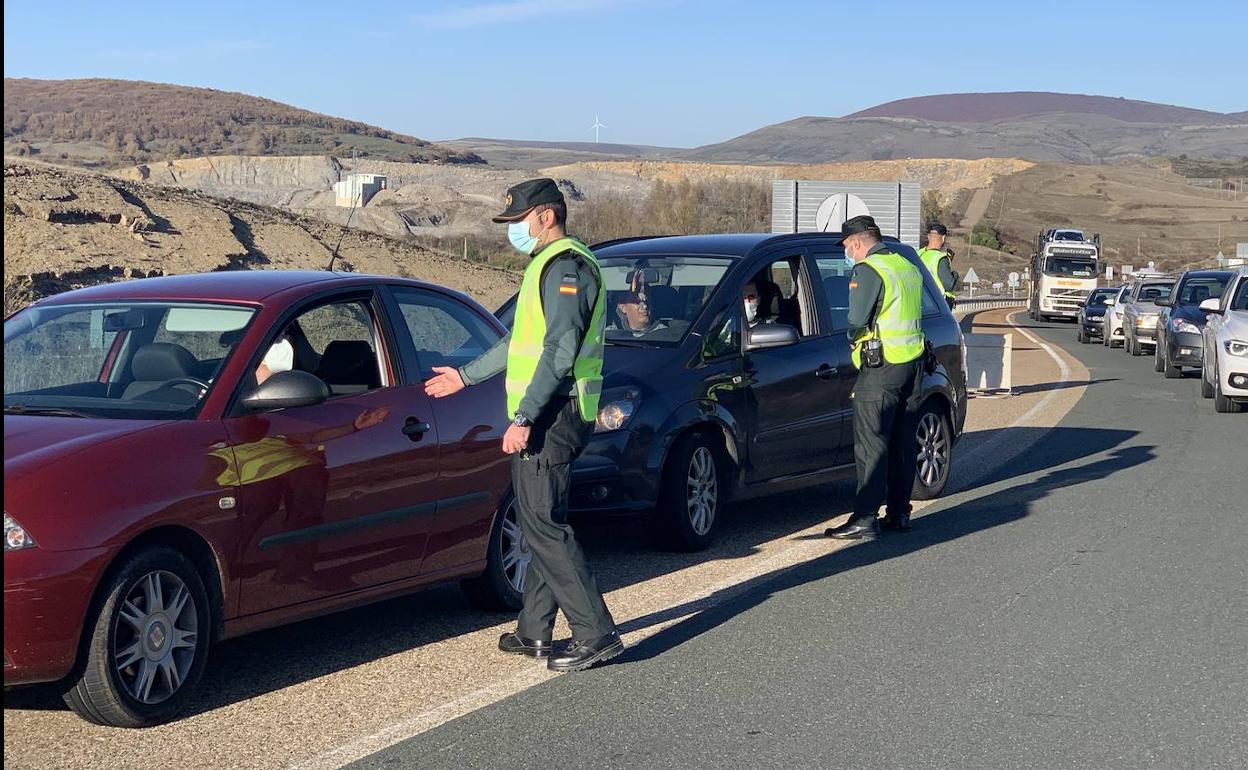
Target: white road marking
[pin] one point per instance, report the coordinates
(994, 446)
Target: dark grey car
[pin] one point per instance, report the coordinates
(704, 407)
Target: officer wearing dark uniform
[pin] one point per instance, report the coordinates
(885, 325)
(553, 360)
(939, 260)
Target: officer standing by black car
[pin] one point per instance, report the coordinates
(885, 326)
(553, 359)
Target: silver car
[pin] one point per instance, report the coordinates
(1111, 335)
(1224, 375)
(1139, 317)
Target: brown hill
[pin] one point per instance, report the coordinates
(65, 228)
(989, 107)
(117, 122)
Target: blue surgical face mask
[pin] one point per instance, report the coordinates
(518, 234)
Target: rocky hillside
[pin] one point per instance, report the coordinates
(118, 122)
(64, 229)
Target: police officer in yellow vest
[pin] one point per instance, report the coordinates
(939, 260)
(885, 325)
(553, 360)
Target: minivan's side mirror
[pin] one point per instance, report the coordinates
(1163, 302)
(1212, 305)
(1111, 302)
(285, 390)
(770, 336)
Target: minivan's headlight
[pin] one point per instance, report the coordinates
(615, 410)
(15, 536)
(1181, 326)
(1234, 347)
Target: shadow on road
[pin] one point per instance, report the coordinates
(1041, 387)
(621, 555)
(964, 518)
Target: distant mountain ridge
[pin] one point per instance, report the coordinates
(1013, 105)
(99, 122)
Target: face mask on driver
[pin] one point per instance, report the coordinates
(751, 310)
(281, 356)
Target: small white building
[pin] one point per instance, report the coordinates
(357, 189)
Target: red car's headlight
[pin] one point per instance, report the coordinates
(15, 535)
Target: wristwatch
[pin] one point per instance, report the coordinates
(521, 421)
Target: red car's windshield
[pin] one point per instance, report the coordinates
(146, 360)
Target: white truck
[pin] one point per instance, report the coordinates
(1064, 271)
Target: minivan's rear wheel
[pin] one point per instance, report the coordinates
(935, 445)
(692, 496)
(147, 643)
(501, 586)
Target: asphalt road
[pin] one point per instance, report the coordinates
(1086, 605)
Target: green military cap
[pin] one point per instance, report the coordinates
(860, 224)
(523, 197)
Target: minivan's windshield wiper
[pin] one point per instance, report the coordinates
(42, 411)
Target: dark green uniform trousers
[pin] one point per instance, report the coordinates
(885, 451)
(558, 577)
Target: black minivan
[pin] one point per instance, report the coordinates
(701, 404)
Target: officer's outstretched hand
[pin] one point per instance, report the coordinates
(516, 439)
(444, 382)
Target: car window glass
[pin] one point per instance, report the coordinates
(834, 269)
(444, 331)
(148, 360)
(208, 343)
(654, 300)
(67, 349)
(724, 337)
(1197, 290)
(337, 342)
(781, 299)
(1240, 300)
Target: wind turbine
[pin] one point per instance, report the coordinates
(597, 125)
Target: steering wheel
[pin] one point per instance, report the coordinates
(203, 386)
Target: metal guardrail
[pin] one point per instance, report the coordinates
(969, 305)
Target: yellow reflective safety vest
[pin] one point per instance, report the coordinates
(931, 260)
(899, 325)
(528, 334)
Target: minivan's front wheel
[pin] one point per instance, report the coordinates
(692, 496)
(148, 643)
(934, 438)
(501, 586)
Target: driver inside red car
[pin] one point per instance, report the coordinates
(279, 358)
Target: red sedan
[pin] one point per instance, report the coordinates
(191, 458)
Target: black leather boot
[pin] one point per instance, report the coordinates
(857, 528)
(514, 644)
(580, 654)
(896, 523)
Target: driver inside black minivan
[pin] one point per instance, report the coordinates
(634, 311)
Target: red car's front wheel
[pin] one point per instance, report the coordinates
(147, 644)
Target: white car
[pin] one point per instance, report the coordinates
(1224, 374)
(1111, 336)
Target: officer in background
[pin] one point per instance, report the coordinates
(939, 260)
(553, 360)
(885, 325)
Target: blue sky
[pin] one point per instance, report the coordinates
(667, 72)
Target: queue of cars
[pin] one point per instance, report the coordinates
(1197, 320)
(161, 495)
